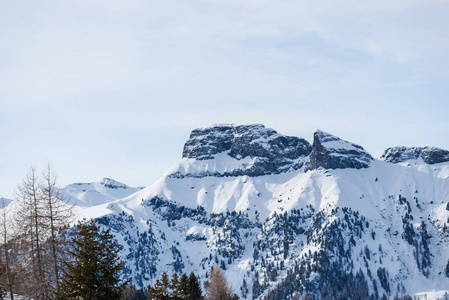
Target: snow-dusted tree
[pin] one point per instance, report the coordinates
(217, 287)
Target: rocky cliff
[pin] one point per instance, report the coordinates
(252, 150)
(331, 152)
(429, 155)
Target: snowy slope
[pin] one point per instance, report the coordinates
(332, 210)
(373, 192)
(376, 191)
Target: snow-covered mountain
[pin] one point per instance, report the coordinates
(96, 193)
(283, 217)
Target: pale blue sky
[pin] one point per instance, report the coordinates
(113, 88)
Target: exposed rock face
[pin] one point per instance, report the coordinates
(272, 152)
(112, 184)
(205, 142)
(331, 152)
(429, 155)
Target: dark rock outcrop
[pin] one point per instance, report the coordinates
(429, 155)
(331, 152)
(273, 153)
(112, 184)
(205, 142)
(242, 141)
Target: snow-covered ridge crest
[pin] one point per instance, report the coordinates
(430, 155)
(95, 193)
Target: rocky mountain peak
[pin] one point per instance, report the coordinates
(429, 155)
(331, 152)
(269, 151)
(242, 141)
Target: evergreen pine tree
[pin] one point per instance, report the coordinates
(174, 284)
(132, 293)
(194, 288)
(94, 271)
(157, 291)
(165, 283)
(244, 288)
(447, 269)
(161, 289)
(184, 286)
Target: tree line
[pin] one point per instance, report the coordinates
(189, 288)
(42, 257)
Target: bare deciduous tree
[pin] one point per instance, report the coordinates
(31, 224)
(7, 258)
(217, 287)
(42, 214)
(58, 214)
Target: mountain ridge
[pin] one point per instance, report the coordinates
(357, 221)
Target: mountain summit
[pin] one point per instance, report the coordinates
(254, 150)
(331, 152)
(236, 150)
(240, 141)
